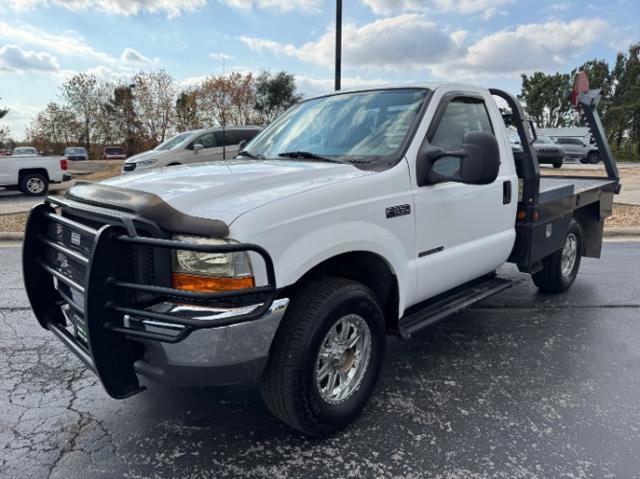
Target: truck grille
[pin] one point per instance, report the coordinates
(68, 250)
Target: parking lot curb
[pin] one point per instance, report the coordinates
(621, 231)
(11, 236)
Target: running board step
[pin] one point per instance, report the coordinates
(446, 304)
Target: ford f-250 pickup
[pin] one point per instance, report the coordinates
(352, 216)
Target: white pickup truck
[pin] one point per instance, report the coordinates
(352, 216)
(30, 172)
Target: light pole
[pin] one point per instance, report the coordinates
(338, 83)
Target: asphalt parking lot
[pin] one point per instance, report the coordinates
(525, 385)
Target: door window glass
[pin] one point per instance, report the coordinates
(461, 116)
(207, 140)
(224, 138)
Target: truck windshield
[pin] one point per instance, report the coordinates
(370, 125)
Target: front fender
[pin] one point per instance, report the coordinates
(314, 247)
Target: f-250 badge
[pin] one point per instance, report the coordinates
(399, 210)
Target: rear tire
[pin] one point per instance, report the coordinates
(559, 270)
(593, 158)
(316, 380)
(557, 163)
(34, 184)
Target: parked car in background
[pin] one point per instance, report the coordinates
(32, 174)
(114, 153)
(196, 146)
(76, 153)
(5, 153)
(24, 151)
(548, 151)
(578, 149)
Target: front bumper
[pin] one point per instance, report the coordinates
(96, 283)
(217, 356)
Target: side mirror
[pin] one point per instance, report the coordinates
(476, 163)
(241, 145)
(197, 147)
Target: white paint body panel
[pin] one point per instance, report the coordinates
(10, 167)
(304, 212)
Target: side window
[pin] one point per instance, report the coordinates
(207, 140)
(462, 115)
(226, 138)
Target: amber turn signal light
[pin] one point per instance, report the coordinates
(194, 282)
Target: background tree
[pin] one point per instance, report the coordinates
(186, 114)
(153, 98)
(54, 128)
(547, 99)
(5, 133)
(82, 95)
(274, 94)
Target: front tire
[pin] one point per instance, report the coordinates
(34, 184)
(326, 357)
(559, 270)
(557, 163)
(593, 158)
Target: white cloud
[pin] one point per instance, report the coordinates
(19, 117)
(220, 56)
(543, 46)
(14, 59)
(408, 41)
(411, 42)
(172, 8)
(277, 5)
(130, 55)
(309, 86)
(65, 44)
(487, 8)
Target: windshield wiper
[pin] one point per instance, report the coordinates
(250, 155)
(307, 155)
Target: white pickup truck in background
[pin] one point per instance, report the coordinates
(352, 216)
(32, 173)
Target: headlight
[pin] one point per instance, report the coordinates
(146, 162)
(197, 271)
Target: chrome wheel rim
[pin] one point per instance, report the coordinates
(343, 359)
(35, 185)
(569, 255)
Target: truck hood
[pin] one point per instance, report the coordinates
(224, 190)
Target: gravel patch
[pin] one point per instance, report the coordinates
(15, 222)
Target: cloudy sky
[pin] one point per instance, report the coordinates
(489, 42)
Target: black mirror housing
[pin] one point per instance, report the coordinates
(478, 161)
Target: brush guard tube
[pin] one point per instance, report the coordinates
(97, 315)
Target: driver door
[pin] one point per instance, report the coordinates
(462, 231)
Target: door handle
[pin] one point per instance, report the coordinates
(506, 192)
